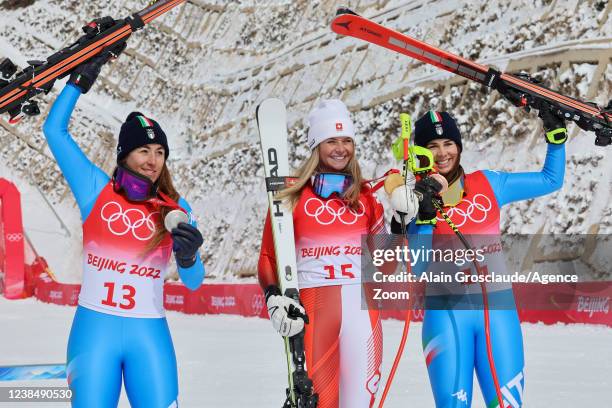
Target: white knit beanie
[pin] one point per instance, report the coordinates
(330, 118)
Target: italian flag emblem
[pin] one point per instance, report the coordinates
(431, 348)
(435, 117)
(145, 122)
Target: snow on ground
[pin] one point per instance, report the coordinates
(231, 361)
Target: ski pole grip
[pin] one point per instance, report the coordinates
(406, 133)
(294, 312)
(406, 125)
(400, 147)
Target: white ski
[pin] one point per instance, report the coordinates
(272, 123)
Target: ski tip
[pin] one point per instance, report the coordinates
(344, 10)
(270, 103)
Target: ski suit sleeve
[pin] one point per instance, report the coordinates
(510, 187)
(379, 238)
(266, 266)
(377, 218)
(193, 276)
(86, 180)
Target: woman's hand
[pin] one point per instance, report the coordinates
(402, 197)
(554, 125)
(186, 242)
(287, 315)
(427, 189)
(85, 74)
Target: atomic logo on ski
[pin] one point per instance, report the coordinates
(368, 31)
(345, 25)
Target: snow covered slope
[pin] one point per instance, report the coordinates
(202, 69)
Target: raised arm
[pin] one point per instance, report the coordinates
(85, 179)
(510, 187)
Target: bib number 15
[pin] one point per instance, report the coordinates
(345, 270)
(127, 301)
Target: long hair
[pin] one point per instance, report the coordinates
(307, 170)
(165, 185)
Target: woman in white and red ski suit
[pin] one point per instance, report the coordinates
(343, 340)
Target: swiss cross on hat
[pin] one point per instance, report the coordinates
(330, 118)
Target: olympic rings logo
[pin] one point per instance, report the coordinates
(476, 212)
(14, 237)
(257, 303)
(120, 223)
(325, 214)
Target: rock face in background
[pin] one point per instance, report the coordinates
(202, 69)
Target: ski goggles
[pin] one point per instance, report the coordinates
(326, 184)
(134, 186)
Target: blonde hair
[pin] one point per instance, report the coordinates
(307, 170)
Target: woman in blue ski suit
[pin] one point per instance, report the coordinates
(119, 329)
(454, 341)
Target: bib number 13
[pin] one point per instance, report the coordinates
(127, 301)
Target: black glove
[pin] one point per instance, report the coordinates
(85, 74)
(554, 124)
(426, 189)
(186, 241)
(97, 26)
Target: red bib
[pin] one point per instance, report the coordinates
(477, 213)
(119, 276)
(328, 237)
(477, 218)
